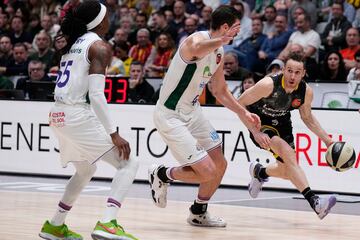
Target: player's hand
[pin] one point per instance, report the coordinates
(122, 145)
(253, 120)
(230, 34)
(262, 139)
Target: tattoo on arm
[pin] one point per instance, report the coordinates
(100, 58)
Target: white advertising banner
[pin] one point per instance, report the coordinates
(27, 144)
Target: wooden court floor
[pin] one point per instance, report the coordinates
(22, 214)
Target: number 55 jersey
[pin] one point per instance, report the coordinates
(72, 81)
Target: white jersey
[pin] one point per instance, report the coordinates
(185, 81)
(72, 82)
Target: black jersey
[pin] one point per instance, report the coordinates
(274, 110)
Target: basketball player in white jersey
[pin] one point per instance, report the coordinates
(85, 131)
(178, 118)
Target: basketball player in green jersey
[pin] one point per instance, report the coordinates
(272, 98)
(192, 140)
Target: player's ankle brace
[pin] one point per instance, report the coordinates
(198, 208)
(163, 176)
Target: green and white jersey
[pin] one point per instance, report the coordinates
(185, 81)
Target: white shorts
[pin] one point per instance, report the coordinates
(188, 136)
(81, 135)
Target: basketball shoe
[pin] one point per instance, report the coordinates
(110, 231)
(158, 187)
(323, 205)
(205, 220)
(51, 232)
(256, 183)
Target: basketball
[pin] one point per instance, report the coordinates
(340, 156)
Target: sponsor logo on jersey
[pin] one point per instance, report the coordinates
(206, 72)
(214, 135)
(296, 103)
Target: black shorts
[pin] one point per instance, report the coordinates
(284, 132)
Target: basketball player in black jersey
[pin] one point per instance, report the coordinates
(272, 98)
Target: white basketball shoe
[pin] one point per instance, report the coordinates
(205, 220)
(255, 184)
(323, 205)
(158, 187)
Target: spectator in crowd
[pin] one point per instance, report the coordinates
(259, 8)
(140, 22)
(305, 36)
(141, 51)
(121, 52)
(310, 9)
(140, 91)
(245, 31)
(247, 83)
(4, 23)
(273, 45)
(144, 6)
(159, 59)
(36, 72)
(249, 48)
(126, 23)
(34, 26)
(49, 6)
(169, 16)
(349, 10)
(282, 6)
(5, 50)
(117, 65)
(195, 7)
(353, 45)
(133, 12)
(333, 37)
(189, 28)
(205, 18)
(275, 67)
(297, 11)
(161, 25)
(333, 68)
(24, 13)
(232, 69)
(49, 27)
(179, 16)
(168, 5)
(18, 64)
(119, 36)
(34, 7)
(269, 23)
(113, 11)
(354, 73)
(59, 43)
(311, 66)
(18, 33)
(44, 51)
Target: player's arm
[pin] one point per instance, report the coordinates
(261, 89)
(223, 95)
(100, 57)
(197, 46)
(309, 119)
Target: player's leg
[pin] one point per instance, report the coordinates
(56, 226)
(107, 227)
(297, 177)
(199, 216)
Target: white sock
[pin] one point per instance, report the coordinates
(60, 215)
(111, 210)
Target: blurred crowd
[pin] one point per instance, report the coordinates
(148, 32)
